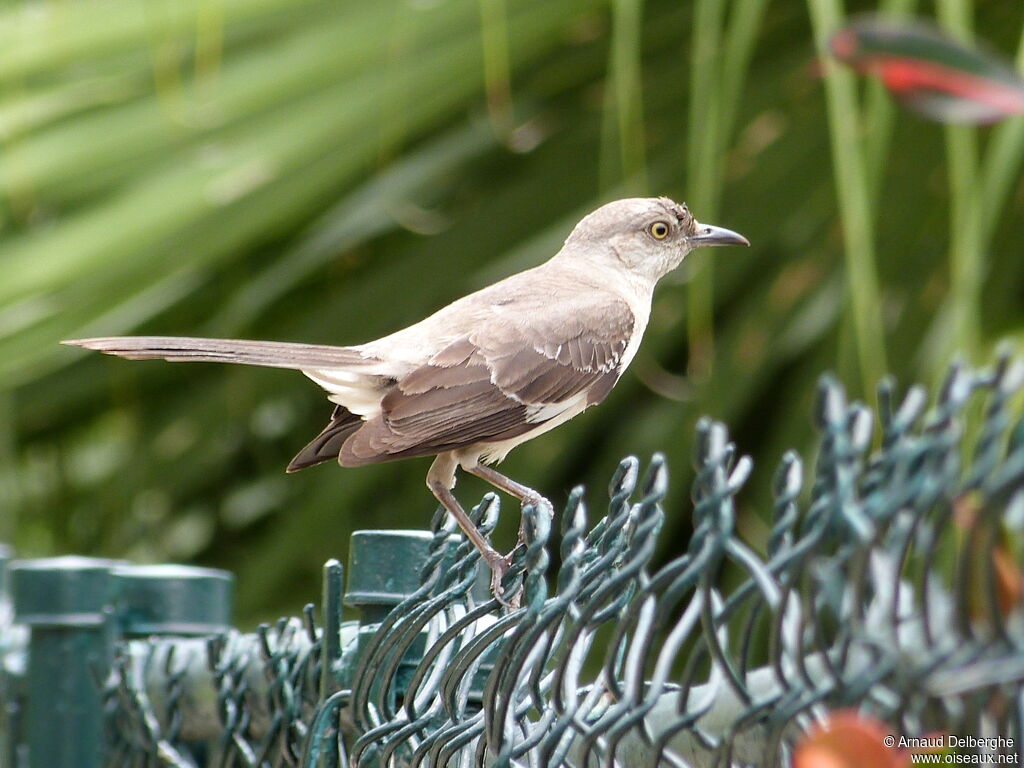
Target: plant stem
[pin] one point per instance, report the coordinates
(623, 139)
(1001, 167)
(965, 251)
(852, 192)
(880, 116)
(703, 165)
(738, 47)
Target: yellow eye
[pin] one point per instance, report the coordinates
(659, 230)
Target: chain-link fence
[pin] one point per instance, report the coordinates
(890, 582)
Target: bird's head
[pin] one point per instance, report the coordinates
(650, 236)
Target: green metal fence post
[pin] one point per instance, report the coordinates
(332, 617)
(172, 600)
(383, 569)
(65, 602)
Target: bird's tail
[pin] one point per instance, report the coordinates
(327, 445)
(274, 354)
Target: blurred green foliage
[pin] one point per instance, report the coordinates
(329, 172)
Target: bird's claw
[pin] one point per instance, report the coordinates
(508, 598)
(542, 506)
(539, 503)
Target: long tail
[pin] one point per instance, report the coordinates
(274, 354)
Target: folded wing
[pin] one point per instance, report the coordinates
(497, 384)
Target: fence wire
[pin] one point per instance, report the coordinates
(890, 581)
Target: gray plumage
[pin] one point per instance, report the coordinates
(488, 387)
(489, 371)
(483, 387)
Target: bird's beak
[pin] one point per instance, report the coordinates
(709, 235)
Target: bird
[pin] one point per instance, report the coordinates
(487, 372)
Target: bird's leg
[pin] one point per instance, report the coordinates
(440, 481)
(518, 490)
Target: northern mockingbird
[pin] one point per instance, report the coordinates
(489, 371)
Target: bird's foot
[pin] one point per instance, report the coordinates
(499, 565)
(543, 507)
(540, 503)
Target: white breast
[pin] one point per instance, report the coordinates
(638, 296)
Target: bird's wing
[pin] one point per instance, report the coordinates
(274, 354)
(498, 383)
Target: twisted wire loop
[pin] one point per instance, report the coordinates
(889, 581)
(135, 734)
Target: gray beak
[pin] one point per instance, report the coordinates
(709, 235)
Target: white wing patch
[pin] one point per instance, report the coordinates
(548, 411)
(547, 417)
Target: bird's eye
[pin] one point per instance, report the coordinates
(659, 230)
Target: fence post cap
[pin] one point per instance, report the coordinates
(172, 599)
(61, 591)
(384, 566)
